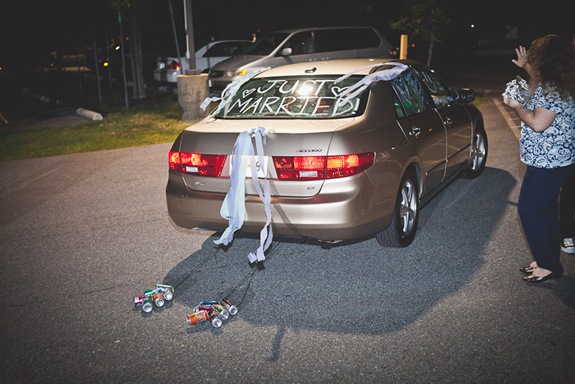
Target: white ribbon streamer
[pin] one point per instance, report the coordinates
(360, 86)
(233, 206)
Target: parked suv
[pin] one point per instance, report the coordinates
(299, 45)
(168, 68)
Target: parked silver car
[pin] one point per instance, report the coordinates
(168, 68)
(297, 45)
(344, 148)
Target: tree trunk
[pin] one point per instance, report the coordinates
(139, 90)
(430, 53)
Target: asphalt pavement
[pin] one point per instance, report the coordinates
(81, 235)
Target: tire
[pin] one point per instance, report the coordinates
(477, 154)
(403, 225)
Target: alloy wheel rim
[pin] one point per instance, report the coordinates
(408, 207)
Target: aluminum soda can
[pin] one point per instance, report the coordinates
(139, 300)
(166, 290)
(215, 319)
(207, 308)
(158, 299)
(147, 305)
(222, 311)
(229, 306)
(168, 294)
(209, 302)
(197, 317)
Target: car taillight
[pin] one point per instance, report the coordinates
(197, 163)
(174, 65)
(321, 167)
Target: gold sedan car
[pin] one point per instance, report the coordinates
(329, 150)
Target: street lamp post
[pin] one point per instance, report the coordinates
(175, 34)
(191, 51)
(193, 85)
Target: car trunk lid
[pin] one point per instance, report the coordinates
(282, 140)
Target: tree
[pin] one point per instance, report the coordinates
(425, 19)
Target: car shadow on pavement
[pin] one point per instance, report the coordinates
(358, 287)
(564, 289)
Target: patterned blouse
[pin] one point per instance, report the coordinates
(555, 146)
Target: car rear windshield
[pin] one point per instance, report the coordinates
(294, 98)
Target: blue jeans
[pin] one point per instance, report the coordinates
(538, 208)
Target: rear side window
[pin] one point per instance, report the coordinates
(410, 93)
(440, 93)
(301, 43)
(399, 112)
(345, 39)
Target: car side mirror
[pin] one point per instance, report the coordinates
(466, 95)
(286, 52)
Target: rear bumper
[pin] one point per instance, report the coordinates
(166, 76)
(342, 214)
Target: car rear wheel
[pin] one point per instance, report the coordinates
(403, 225)
(478, 154)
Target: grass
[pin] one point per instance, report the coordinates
(152, 120)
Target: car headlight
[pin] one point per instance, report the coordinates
(242, 72)
(233, 73)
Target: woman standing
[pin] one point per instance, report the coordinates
(547, 147)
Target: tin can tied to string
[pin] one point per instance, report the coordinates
(197, 317)
(229, 306)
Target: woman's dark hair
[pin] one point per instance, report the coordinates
(552, 62)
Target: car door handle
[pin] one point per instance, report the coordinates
(414, 132)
